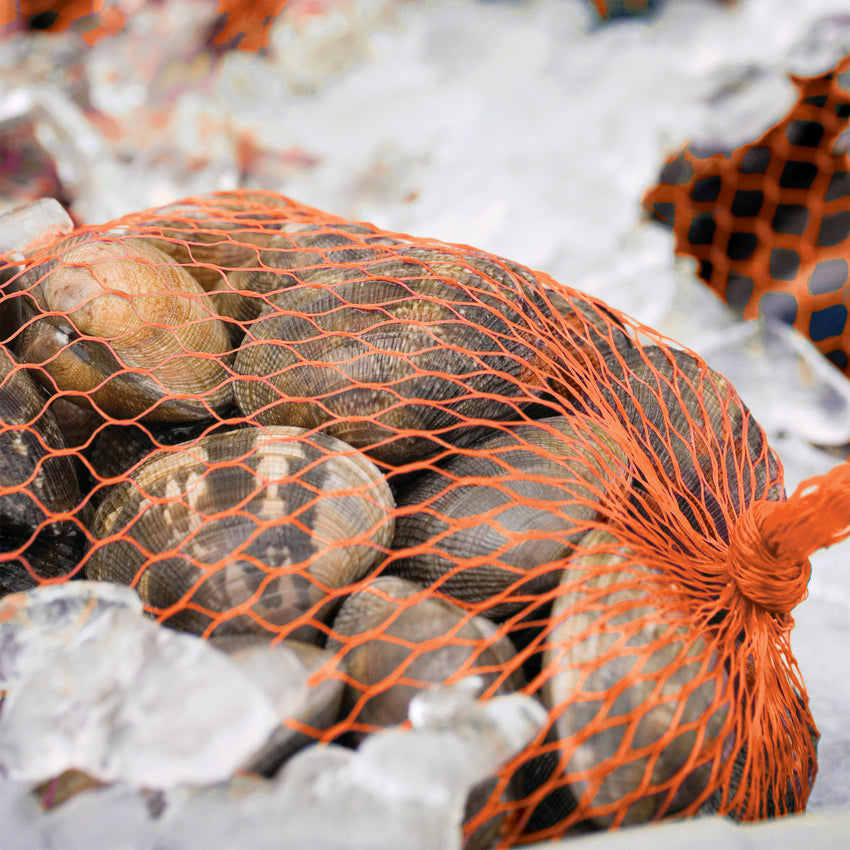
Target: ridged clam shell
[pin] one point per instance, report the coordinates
(115, 448)
(254, 530)
(36, 484)
(133, 333)
(488, 522)
(416, 645)
(413, 645)
(696, 432)
(219, 233)
(619, 676)
(398, 358)
(243, 295)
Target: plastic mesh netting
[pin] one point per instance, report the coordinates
(430, 462)
(770, 222)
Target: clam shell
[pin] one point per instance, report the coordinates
(593, 335)
(414, 645)
(791, 801)
(35, 484)
(210, 234)
(254, 530)
(619, 676)
(115, 448)
(696, 432)
(130, 331)
(399, 358)
(242, 296)
(488, 522)
(411, 645)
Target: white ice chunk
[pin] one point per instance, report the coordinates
(828, 830)
(787, 383)
(36, 222)
(37, 625)
(115, 817)
(21, 819)
(401, 788)
(124, 699)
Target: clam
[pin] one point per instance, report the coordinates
(296, 247)
(592, 335)
(639, 704)
(695, 432)
(772, 804)
(397, 644)
(38, 487)
(211, 234)
(118, 325)
(401, 357)
(314, 707)
(254, 530)
(492, 526)
(116, 448)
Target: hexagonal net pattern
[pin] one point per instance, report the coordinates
(769, 223)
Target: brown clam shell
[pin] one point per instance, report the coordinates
(130, 331)
(115, 448)
(619, 675)
(412, 645)
(399, 358)
(36, 484)
(489, 522)
(215, 233)
(416, 645)
(207, 255)
(254, 530)
(594, 336)
(242, 296)
(773, 805)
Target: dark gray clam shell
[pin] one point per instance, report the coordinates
(415, 644)
(490, 521)
(38, 482)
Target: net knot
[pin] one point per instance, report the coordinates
(770, 545)
(761, 573)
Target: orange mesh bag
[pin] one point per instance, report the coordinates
(770, 222)
(428, 462)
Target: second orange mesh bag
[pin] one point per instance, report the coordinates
(427, 462)
(769, 223)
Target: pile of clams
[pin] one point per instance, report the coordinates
(393, 459)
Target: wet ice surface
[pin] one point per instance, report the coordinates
(94, 685)
(525, 130)
(178, 734)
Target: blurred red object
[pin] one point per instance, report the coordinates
(58, 15)
(247, 24)
(27, 171)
